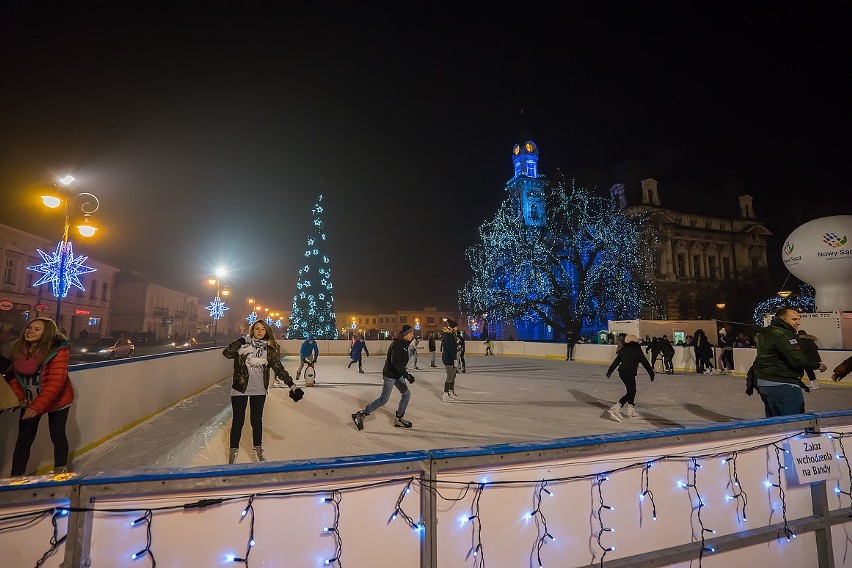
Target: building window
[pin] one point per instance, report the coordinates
(681, 265)
(430, 320)
(708, 224)
(93, 291)
(403, 319)
(9, 273)
(693, 223)
(104, 290)
(696, 266)
(713, 267)
(726, 267)
(374, 321)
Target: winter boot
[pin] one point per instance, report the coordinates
(631, 411)
(401, 422)
(615, 412)
(232, 455)
(258, 451)
(447, 398)
(358, 418)
(60, 470)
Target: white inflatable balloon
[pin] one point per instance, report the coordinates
(820, 253)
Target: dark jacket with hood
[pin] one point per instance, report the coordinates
(809, 346)
(397, 359)
(449, 348)
(780, 358)
(628, 360)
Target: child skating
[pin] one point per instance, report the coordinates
(358, 345)
(627, 361)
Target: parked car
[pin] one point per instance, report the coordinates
(184, 343)
(105, 348)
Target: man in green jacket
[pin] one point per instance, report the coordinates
(780, 363)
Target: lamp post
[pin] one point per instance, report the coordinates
(61, 269)
(217, 306)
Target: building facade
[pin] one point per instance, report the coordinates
(383, 325)
(87, 308)
(695, 254)
(141, 306)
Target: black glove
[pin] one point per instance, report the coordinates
(749, 390)
(804, 387)
(296, 394)
(241, 340)
(408, 377)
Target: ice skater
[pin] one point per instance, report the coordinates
(358, 345)
(449, 350)
(412, 351)
(308, 352)
(432, 348)
(488, 350)
(254, 356)
(461, 346)
(394, 374)
(627, 361)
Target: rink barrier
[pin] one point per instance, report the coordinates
(574, 468)
(114, 396)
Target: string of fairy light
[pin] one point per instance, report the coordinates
(521, 273)
(475, 491)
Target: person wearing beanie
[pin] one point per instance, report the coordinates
(308, 353)
(393, 374)
(627, 360)
(449, 352)
(358, 345)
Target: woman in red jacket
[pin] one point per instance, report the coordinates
(39, 377)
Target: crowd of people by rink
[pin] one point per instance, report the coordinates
(37, 381)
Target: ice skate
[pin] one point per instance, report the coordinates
(814, 385)
(60, 470)
(631, 411)
(350, 363)
(615, 412)
(232, 455)
(358, 418)
(447, 398)
(361, 371)
(401, 422)
(453, 394)
(258, 451)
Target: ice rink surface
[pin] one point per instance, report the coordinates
(503, 399)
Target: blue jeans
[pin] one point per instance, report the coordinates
(387, 387)
(783, 400)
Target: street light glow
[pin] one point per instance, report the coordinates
(51, 201)
(67, 180)
(221, 272)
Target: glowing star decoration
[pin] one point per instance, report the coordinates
(217, 308)
(252, 317)
(268, 320)
(278, 323)
(61, 269)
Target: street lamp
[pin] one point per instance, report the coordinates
(61, 268)
(217, 307)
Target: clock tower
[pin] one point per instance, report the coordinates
(527, 186)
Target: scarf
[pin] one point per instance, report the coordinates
(26, 365)
(257, 354)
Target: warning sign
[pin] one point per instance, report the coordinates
(814, 459)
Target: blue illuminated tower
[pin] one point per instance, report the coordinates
(527, 186)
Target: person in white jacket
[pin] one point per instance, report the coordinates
(412, 351)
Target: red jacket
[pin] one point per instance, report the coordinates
(56, 389)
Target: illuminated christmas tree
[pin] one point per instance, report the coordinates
(581, 262)
(313, 303)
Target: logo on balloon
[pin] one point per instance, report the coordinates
(788, 248)
(833, 240)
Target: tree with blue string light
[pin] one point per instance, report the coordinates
(313, 302)
(581, 263)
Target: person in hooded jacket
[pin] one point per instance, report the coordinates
(39, 378)
(394, 374)
(254, 356)
(667, 351)
(703, 352)
(809, 348)
(432, 348)
(449, 351)
(627, 361)
(307, 352)
(654, 349)
(358, 345)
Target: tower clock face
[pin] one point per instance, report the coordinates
(517, 149)
(529, 146)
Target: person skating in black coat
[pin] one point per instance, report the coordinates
(627, 361)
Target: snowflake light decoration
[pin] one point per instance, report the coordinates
(268, 320)
(252, 317)
(278, 323)
(61, 269)
(217, 308)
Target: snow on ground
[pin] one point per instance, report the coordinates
(503, 399)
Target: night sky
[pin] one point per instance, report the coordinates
(207, 130)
